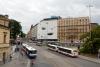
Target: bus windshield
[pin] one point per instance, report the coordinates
(33, 52)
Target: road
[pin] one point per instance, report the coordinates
(47, 58)
(58, 60)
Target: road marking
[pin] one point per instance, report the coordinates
(28, 63)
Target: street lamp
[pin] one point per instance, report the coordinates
(90, 17)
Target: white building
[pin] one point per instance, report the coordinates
(47, 29)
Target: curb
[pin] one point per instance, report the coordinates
(90, 59)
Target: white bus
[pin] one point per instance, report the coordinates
(52, 47)
(29, 51)
(68, 51)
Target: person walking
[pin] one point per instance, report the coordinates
(10, 57)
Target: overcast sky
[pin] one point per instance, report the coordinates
(32, 11)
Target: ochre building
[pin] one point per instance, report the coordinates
(70, 29)
(4, 38)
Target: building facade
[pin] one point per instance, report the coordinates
(4, 38)
(70, 29)
(29, 34)
(34, 32)
(47, 30)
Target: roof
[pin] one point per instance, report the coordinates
(52, 18)
(28, 47)
(52, 45)
(4, 17)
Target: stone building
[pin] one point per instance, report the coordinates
(70, 29)
(4, 38)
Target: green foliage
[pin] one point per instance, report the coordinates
(15, 28)
(84, 36)
(22, 34)
(92, 41)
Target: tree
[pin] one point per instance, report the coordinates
(15, 28)
(22, 34)
(91, 43)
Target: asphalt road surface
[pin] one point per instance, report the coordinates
(47, 58)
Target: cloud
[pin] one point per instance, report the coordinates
(32, 11)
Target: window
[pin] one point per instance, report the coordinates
(41, 36)
(5, 35)
(80, 20)
(52, 47)
(86, 20)
(43, 28)
(33, 52)
(65, 50)
(50, 33)
(75, 51)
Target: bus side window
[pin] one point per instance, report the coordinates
(75, 51)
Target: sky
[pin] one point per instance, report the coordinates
(30, 12)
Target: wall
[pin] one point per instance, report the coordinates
(4, 22)
(4, 45)
(50, 27)
(70, 29)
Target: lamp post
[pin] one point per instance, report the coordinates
(90, 16)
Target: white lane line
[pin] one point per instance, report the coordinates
(28, 63)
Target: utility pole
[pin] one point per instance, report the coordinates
(90, 16)
(90, 21)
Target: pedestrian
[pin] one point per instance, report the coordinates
(99, 54)
(78, 47)
(10, 57)
(15, 49)
(21, 52)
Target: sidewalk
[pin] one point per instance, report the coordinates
(16, 61)
(90, 59)
(8, 57)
